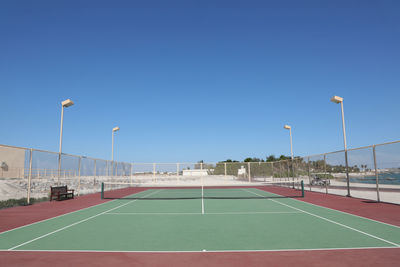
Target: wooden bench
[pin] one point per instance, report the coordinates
(61, 192)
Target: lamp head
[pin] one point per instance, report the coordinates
(115, 129)
(337, 99)
(287, 127)
(67, 103)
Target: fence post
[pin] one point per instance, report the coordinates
(265, 174)
(79, 176)
(272, 166)
(154, 172)
(294, 168)
(59, 168)
(288, 170)
(347, 173)
(225, 168)
(28, 196)
(94, 171)
(177, 171)
(326, 177)
(376, 174)
(248, 164)
(131, 172)
(292, 162)
(107, 172)
(309, 177)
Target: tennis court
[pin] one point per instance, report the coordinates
(202, 219)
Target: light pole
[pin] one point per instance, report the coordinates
(337, 100)
(288, 127)
(112, 147)
(65, 103)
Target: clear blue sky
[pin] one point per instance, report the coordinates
(198, 80)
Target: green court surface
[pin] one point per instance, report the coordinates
(203, 224)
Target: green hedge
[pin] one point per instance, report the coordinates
(20, 202)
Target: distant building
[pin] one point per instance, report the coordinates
(194, 172)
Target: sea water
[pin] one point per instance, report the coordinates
(384, 178)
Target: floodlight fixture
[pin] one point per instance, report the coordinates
(337, 99)
(67, 103)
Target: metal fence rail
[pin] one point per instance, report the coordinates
(373, 172)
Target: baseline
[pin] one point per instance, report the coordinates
(197, 251)
(198, 213)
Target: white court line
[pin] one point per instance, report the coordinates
(197, 213)
(19, 227)
(365, 218)
(152, 213)
(328, 220)
(78, 222)
(348, 213)
(197, 251)
(93, 206)
(202, 199)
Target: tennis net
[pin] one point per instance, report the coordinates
(178, 191)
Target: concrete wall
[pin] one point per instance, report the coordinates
(12, 162)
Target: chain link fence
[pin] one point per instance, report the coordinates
(373, 172)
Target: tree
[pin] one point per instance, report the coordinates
(283, 157)
(271, 158)
(229, 160)
(253, 160)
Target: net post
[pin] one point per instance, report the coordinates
(102, 190)
(302, 188)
